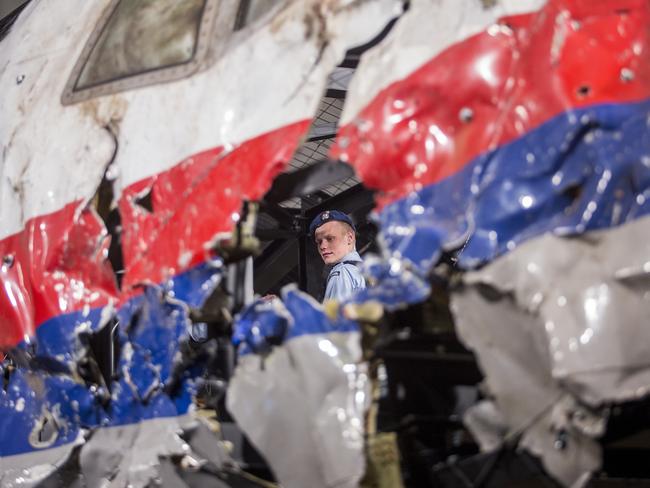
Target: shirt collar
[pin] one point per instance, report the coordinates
(352, 256)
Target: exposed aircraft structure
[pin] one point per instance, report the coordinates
(108, 116)
(507, 145)
(499, 139)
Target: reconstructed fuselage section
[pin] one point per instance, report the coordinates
(507, 142)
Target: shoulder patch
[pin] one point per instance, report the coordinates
(334, 273)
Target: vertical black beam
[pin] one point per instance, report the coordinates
(102, 344)
(303, 264)
(302, 249)
(280, 259)
(315, 278)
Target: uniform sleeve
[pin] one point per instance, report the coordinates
(343, 281)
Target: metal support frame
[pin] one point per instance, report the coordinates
(356, 201)
(302, 249)
(278, 260)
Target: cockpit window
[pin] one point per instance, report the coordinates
(252, 10)
(141, 42)
(143, 36)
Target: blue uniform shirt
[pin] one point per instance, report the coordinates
(345, 278)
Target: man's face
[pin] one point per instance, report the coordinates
(333, 241)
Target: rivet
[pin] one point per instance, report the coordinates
(466, 114)
(627, 75)
(8, 261)
(561, 441)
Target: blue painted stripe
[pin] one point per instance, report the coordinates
(582, 170)
(264, 324)
(309, 317)
(21, 405)
(151, 327)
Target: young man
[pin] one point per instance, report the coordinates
(335, 239)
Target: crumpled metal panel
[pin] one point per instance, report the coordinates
(153, 326)
(213, 144)
(57, 265)
(494, 136)
(260, 326)
(507, 133)
(44, 414)
(159, 244)
(512, 353)
(588, 297)
(393, 283)
(305, 384)
(559, 327)
(180, 157)
(128, 455)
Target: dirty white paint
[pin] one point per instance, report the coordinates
(574, 333)
(318, 420)
(264, 77)
(26, 470)
(311, 392)
(261, 78)
(49, 156)
(129, 455)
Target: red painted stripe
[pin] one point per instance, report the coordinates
(571, 54)
(197, 200)
(57, 263)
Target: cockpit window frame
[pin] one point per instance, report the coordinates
(154, 76)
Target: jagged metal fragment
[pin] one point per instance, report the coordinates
(492, 127)
(310, 391)
(41, 420)
(559, 328)
(128, 454)
(180, 154)
(489, 135)
(394, 283)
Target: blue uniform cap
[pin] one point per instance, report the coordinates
(328, 216)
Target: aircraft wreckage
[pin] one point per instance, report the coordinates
(502, 340)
